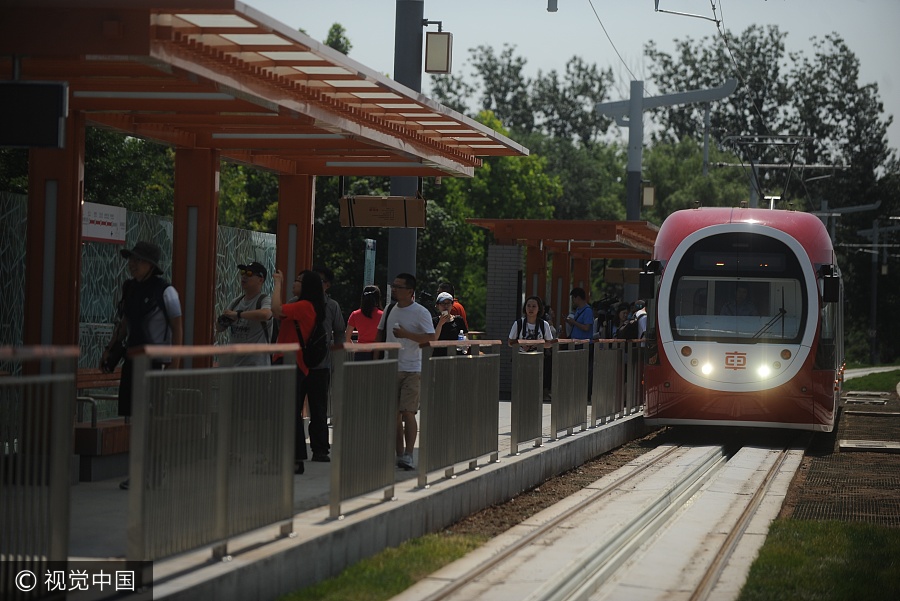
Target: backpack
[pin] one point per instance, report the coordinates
(264, 324)
(315, 349)
(539, 326)
(630, 329)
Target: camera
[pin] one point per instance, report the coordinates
(224, 321)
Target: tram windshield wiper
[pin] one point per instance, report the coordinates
(779, 316)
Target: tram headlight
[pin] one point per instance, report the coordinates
(706, 369)
(764, 371)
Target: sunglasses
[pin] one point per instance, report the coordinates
(247, 272)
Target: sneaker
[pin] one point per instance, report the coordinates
(124, 484)
(298, 467)
(405, 462)
(321, 457)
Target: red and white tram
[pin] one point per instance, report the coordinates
(746, 329)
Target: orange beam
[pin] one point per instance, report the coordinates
(296, 222)
(53, 240)
(194, 248)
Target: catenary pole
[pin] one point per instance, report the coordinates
(408, 38)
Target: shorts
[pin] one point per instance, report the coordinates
(408, 385)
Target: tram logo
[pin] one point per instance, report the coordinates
(735, 360)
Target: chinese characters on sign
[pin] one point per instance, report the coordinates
(102, 223)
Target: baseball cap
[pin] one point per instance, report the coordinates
(255, 268)
(443, 297)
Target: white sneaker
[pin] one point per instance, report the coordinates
(405, 461)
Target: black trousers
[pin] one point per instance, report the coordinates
(315, 386)
(125, 384)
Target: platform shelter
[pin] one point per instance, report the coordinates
(567, 247)
(217, 80)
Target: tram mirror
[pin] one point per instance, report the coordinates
(647, 285)
(831, 289)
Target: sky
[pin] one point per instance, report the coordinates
(548, 40)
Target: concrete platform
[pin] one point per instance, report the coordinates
(265, 566)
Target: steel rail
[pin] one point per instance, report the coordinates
(714, 570)
(511, 550)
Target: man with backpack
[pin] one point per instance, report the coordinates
(248, 318)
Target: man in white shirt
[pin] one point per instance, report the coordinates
(408, 323)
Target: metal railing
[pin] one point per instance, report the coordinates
(569, 390)
(211, 450)
(36, 428)
(634, 376)
(607, 398)
(527, 398)
(460, 415)
(365, 416)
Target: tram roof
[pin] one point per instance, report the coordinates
(587, 239)
(220, 74)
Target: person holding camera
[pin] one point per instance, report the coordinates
(447, 326)
(248, 317)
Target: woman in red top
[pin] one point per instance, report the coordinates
(365, 320)
(302, 315)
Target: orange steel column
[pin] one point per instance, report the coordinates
(536, 273)
(53, 240)
(296, 221)
(560, 287)
(581, 270)
(194, 248)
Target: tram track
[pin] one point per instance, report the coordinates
(601, 544)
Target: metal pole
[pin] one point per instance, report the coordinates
(408, 38)
(873, 300)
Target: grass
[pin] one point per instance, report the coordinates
(392, 571)
(800, 560)
(885, 381)
(826, 561)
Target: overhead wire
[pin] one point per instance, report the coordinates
(720, 28)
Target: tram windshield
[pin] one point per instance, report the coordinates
(746, 288)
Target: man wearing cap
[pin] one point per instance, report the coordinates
(248, 317)
(149, 312)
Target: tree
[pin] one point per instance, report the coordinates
(337, 39)
(125, 171)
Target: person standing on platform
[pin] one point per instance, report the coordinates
(457, 308)
(299, 317)
(149, 312)
(248, 317)
(365, 320)
(318, 380)
(408, 323)
(581, 321)
(447, 326)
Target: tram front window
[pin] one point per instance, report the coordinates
(738, 288)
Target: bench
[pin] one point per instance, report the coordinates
(102, 445)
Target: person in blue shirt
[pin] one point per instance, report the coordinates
(581, 321)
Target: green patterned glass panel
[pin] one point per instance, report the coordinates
(103, 270)
(13, 216)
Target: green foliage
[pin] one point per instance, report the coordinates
(14, 170)
(826, 561)
(392, 571)
(125, 171)
(676, 172)
(337, 39)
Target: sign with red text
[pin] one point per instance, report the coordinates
(103, 223)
